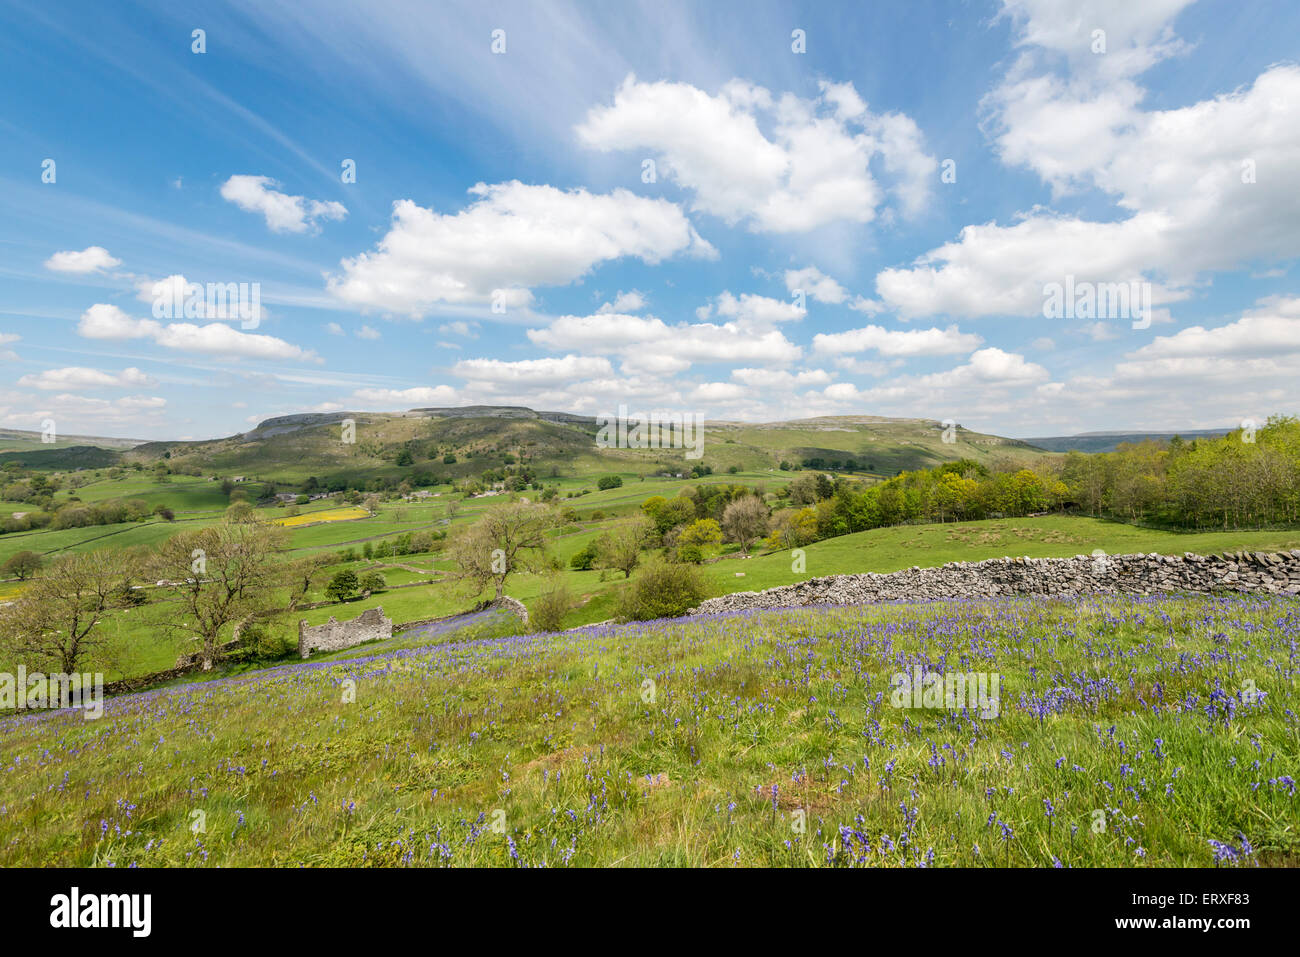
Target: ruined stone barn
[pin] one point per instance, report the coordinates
(334, 635)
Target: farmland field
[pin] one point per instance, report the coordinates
(346, 513)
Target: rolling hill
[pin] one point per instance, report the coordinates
(453, 443)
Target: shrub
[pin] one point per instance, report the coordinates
(662, 590)
(257, 642)
(548, 611)
(690, 554)
(609, 481)
(373, 582)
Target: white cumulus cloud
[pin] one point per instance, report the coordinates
(511, 238)
(283, 213)
(778, 163)
(89, 260)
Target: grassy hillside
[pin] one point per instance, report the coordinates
(882, 446)
(291, 448)
(763, 739)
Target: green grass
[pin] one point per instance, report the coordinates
(182, 493)
(702, 743)
(52, 544)
(1052, 536)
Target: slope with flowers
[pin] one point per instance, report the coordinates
(1128, 731)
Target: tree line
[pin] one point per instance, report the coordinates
(1245, 479)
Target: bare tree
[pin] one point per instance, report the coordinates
(745, 520)
(302, 573)
(55, 620)
(508, 538)
(621, 547)
(221, 575)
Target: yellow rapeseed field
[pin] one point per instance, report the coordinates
(342, 514)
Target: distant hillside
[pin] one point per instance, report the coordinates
(506, 412)
(1108, 441)
(293, 447)
(19, 440)
(63, 459)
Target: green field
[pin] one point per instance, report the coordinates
(1050, 536)
(1121, 736)
(51, 544)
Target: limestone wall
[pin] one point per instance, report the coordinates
(370, 625)
(1266, 572)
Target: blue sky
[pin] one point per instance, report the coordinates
(503, 242)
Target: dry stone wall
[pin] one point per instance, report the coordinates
(370, 625)
(1264, 572)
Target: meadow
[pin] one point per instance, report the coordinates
(1128, 732)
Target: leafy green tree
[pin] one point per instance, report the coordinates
(585, 559)
(704, 532)
(23, 565)
(343, 585)
(667, 514)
